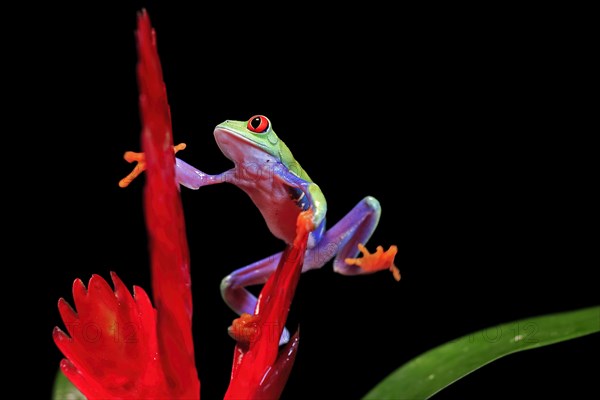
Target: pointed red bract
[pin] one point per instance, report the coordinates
(260, 369)
(120, 347)
(169, 256)
(276, 377)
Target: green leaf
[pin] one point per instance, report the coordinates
(427, 374)
(64, 390)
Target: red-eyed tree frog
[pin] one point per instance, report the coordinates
(266, 170)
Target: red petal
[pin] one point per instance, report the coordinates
(93, 389)
(68, 315)
(112, 348)
(276, 377)
(169, 256)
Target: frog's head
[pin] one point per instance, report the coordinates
(250, 141)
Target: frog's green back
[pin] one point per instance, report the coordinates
(287, 159)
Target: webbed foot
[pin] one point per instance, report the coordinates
(378, 261)
(140, 159)
(244, 329)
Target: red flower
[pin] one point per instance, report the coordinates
(112, 351)
(118, 345)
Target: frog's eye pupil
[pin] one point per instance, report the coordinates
(258, 124)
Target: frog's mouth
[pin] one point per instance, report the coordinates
(239, 148)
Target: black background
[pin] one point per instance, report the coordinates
(465, 132)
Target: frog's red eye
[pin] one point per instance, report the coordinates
(258, 124)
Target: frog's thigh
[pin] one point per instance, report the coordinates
(342, 239)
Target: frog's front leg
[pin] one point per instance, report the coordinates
(185, 174)
(193, 178)
(140, 164)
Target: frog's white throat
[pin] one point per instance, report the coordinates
(240, 149)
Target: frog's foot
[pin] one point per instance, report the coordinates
(140, 167)
(378, 261)
(244, 329)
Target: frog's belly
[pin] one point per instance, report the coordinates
(279, 211)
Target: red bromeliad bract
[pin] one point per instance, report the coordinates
(121, 347)
(259, 369)
(118, 346)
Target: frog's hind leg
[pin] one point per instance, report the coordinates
(233, 285)
(346, 239)
(238, 298)
(343, 241)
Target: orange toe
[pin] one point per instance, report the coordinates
(140, 159)
(244, 329)
(378, 261)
